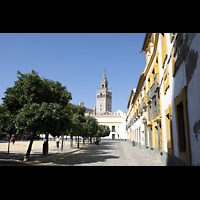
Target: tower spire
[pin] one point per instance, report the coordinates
(104, 96)
(104, 81)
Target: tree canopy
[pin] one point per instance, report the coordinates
(36, 104)
(39, 105)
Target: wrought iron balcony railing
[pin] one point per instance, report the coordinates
(152, 90)
(139, 110)
(148, 99)
(143, 104)
(155, 108)
(149, 113)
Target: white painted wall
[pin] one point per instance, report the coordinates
(118, 122)
(193, 97)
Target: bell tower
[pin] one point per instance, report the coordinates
(104, 81)
(104, 97)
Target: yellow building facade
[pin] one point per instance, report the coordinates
(158, 118)
(144, 125)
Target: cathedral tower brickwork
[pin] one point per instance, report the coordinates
(104, 97)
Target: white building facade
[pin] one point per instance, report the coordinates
(103, 112)
(116, 122)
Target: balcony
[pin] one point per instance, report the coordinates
(148, 99)
(149, 113)
(131, 121)
(155, 108)
(143, 104)
(152, 91)
(139, 110)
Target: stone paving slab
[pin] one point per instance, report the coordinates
(108, 153)
(138, 157)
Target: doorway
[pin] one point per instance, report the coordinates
(113, 136)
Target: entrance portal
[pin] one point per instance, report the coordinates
(113, 136)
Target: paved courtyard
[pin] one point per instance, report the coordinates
(108, 153)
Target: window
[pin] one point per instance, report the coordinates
(182, 126)
(153, 71)
(168, 120)
(149, 112)
(113, 128)
(166, 79)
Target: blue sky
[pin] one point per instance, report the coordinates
(77, 60)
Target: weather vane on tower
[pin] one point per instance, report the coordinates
(105, 70)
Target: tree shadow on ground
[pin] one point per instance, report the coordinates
(91, 154)
(11, 159)
(16, 159)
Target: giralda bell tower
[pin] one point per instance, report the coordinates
(104, 97)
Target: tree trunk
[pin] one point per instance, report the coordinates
(78, 142)
(26, 157)
(71, 140)
(62, 142)
(46, 145)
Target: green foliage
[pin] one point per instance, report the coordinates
(31, 88)
(7, 121)
(77, 120)
(37, 104)
(91, 126)
(40, 105)
(103, 131)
